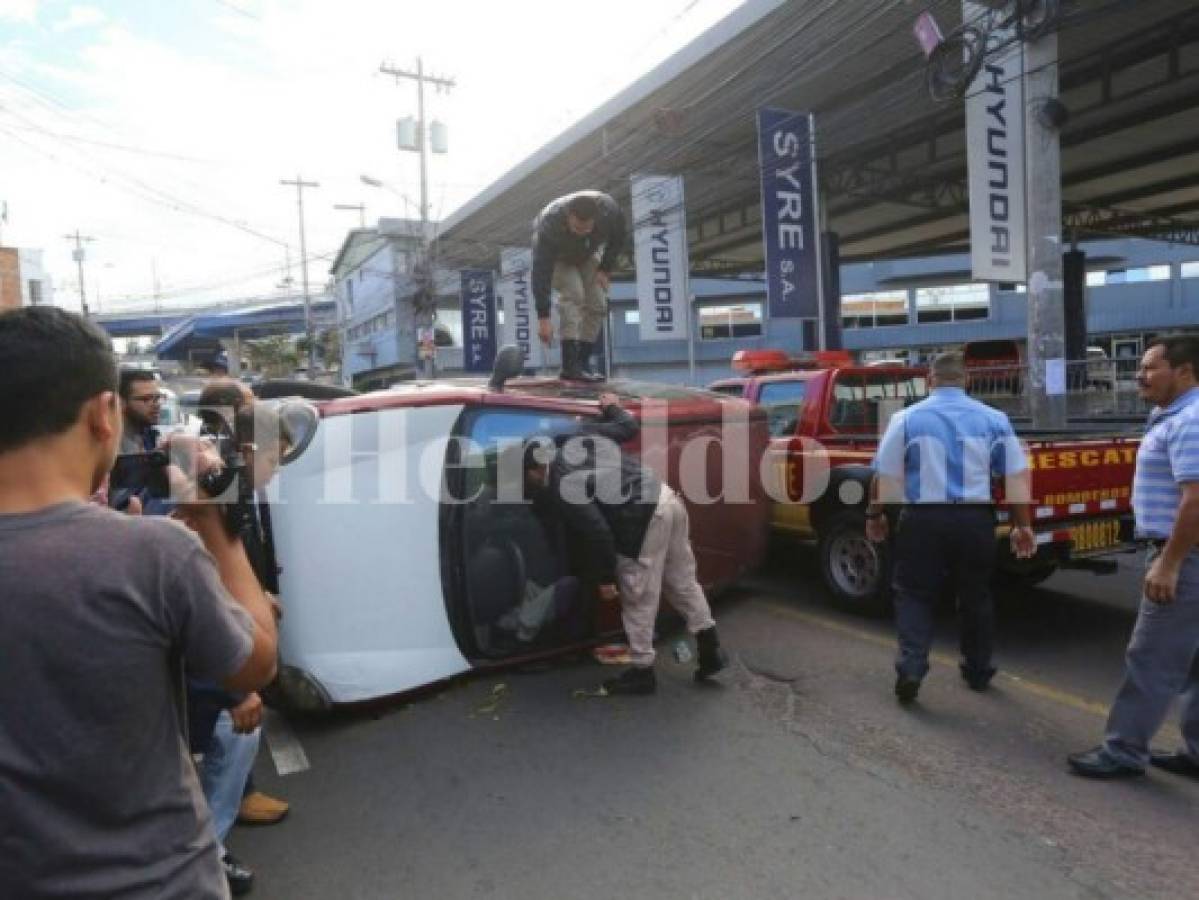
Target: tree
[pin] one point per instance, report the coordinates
(328, 345)
(274, 356)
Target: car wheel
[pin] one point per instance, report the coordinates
(856, 570)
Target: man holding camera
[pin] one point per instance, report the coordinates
(98, 791)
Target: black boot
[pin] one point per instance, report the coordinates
(712, 659)
(585, 370)
(570, 362)
(636, 680)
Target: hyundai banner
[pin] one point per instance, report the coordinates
(516, 301)
(660, 254)
(478, 320)
(788, 214)
(995, 156)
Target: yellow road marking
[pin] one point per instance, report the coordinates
(1028, 685)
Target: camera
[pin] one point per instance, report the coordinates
(146, 476)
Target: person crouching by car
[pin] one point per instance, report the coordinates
(100, 797)
(636, 531)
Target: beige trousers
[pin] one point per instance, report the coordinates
(582, 304)
(666, 564)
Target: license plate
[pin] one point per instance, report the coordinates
(1098, 535)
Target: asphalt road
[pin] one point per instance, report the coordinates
(797, 776)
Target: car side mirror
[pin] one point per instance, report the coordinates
(509, 363)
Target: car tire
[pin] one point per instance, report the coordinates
(856, 571)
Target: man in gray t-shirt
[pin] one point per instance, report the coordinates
(98, 795)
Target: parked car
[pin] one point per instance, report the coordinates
(1101, 371)
(398, 553)
(994, 367)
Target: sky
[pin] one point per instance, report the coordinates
(162, 129)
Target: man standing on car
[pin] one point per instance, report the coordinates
(1162, 661)
(576, 242)
(141, 403)
(635, 530)
(98, 791)
(938, 457)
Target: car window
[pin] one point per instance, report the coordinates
(731, 390)
(519, 594)
(783, 401)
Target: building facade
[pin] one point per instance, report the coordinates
(23, 279)
(904, 309)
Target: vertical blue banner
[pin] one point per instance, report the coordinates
(788, 214)
(478, 320)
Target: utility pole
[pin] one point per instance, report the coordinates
(156, 283)
(299, 184)
(1043, 201)
(350, 207)
(77, 254)
(425, 300)
(421, 79)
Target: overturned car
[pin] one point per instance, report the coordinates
(403, 560)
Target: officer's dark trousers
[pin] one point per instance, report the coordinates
(940, 546)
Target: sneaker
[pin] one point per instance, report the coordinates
(240, 879)
(1096, 763)
(259, 809)
(906, 689)
(712, 658)
(636, 680)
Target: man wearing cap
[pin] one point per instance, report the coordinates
(1162, 661)
(576, 242)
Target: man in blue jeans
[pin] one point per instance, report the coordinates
(1162, 661)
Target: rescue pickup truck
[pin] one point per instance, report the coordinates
(825, 416)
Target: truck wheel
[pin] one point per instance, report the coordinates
(856, 571)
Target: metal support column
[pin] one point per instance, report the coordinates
(1043, 217)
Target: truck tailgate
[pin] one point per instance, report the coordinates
(1082, 490)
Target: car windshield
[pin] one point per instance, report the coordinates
(783, 401)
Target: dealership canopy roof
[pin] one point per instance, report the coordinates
(891, 159)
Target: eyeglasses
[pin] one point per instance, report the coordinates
(149, 398)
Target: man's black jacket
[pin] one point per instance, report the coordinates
(553, 241)
(625, 493)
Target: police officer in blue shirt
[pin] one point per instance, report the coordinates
(1162, 661)
(938, 458)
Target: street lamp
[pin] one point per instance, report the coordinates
(379, 183)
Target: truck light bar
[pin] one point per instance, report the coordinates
(761, 361)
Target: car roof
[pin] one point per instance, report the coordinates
(535, 393)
